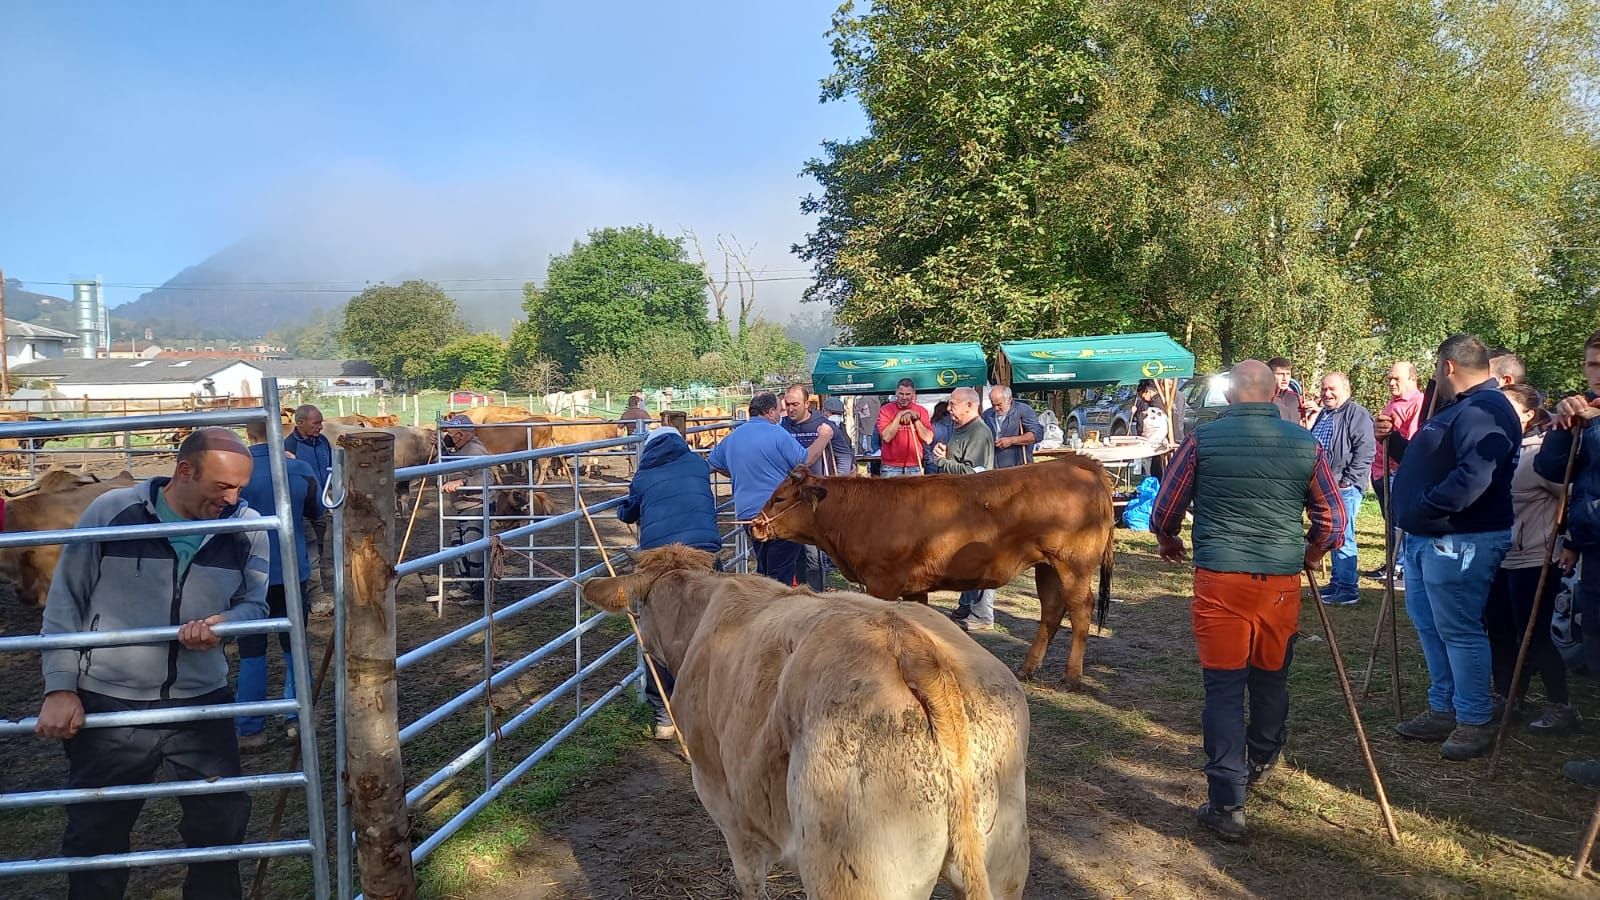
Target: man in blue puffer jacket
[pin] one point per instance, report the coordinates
(1582, 539)
(670, 498)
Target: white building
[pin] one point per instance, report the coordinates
(27, 342)
(129, 379)
(347, 377)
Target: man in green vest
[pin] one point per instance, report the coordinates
(1249, 475)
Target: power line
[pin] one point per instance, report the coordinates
(316, 287)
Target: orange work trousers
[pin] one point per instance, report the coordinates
(1243, 619)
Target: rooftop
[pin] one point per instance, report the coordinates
(122, 371)
(15, 328)
(317, 368)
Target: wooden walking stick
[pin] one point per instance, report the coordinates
(649, 660)
(1355, 713)
(1389, 612)
(1587, 847)
(1513, 695)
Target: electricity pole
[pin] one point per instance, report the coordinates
(5, 344)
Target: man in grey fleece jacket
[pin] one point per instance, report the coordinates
(970, 450)
(193, 582)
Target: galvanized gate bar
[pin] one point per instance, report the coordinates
(279, 522)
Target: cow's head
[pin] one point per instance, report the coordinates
(667, 607)
(789, 512)
(522, 503)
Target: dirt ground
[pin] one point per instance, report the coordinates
(1114, 773)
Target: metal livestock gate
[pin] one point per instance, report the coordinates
(306, 778)
(545, 588)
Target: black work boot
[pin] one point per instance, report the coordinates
(1227, 823)
(1431, 725)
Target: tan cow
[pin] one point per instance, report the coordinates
(873, 747)
(366, 421)
(540, 432)
(704, 440)
(56, 501)
(485, 414)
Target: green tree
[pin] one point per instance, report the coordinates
(317, 338)
(612, 291)
(476, 362)
(400, 328)
(1339, 182)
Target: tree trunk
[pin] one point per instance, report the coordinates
(376, 775)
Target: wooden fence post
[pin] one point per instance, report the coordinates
(375, 773)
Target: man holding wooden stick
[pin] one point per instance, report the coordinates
(1249, 475)
(1452, 497)
(1576, 429)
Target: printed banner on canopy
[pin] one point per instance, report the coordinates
(937, 368)
(1094, 360)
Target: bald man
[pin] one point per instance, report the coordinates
(1403, 412)
(1343, 429)
(1249, 476)
(193, 582)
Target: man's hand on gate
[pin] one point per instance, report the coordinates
(197, 635)
(61, 715)
(1171, 548)
(450, 487)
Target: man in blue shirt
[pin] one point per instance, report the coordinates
(304, 504)
(1452, 497)
(311, 447)
(758, 455)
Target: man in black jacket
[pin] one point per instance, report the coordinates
(1583, 513)
(1452, 497)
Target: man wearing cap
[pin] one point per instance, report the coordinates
(465, 494)
(670, 498)
(193, 582)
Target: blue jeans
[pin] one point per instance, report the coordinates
(1343, 584)
(899, 471)
(253, 660)
(979, 605)
(1447, 585)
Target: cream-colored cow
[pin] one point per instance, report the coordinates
(871, 746)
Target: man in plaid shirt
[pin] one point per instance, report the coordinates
(1249, 476)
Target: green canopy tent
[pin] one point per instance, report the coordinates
(876, 370)
(1098, 360)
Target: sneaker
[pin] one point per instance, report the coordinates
(664, 731)
(468, 599)
(1340, 599)
(1556, 718)
(971, 625)
(1377, 573)
(253, 743)
(322, 608)
(1429, 726)
(960, 613)
(1260, 773)
(1469, 742)
(1227, 823)
(292, 731)
(454, 595)
(1584, 771)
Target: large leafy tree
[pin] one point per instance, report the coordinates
(612, 291)
(930, 227)
(1337, 182)
(476, 362)
(400, 328)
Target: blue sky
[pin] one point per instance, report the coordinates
(401, 138)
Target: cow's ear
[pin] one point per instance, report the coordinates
(799, 474)
(814, 494)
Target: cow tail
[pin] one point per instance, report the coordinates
(1107, 557)
(931, 680)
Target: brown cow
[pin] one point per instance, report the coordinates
(56, 501)
(365, 421)
(540, 432)
(903, 537)
(872, 747)
(486, 414)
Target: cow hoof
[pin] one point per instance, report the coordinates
(1071, 685)
(1024, 674)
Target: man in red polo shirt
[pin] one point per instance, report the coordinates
(905, 429)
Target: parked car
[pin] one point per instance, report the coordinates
(1206, 397)
(470, 398)
(1109, 411)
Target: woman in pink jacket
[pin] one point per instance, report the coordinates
(1535, 501)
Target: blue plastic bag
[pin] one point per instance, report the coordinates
(1136, 514)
